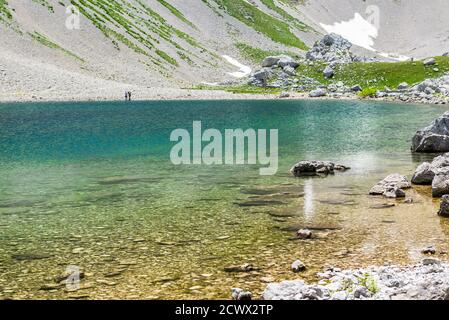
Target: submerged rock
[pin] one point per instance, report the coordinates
(240, 269)
(391, 186)
(304, 234)
(241, 295)
(312, 168)
(434, 138)
(298, 266)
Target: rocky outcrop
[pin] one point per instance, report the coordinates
(392, 186)
(313, 168)
(434, 138)
(334, 48)
(426, 281)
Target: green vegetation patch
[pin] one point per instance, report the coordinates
(378, 75)
(5, 12)
(275, 29)
(271, 5)
(176, 12)
(46, 42)
(166, 57)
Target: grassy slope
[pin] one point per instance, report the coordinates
(275, 29)
(370, 76)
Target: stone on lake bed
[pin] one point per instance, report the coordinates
(30, 256)
(241, 295)
(304, 234)
(391, 186)
(298, 266)
(382, 206)
(240, 269)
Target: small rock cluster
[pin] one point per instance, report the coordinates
(426, 281)
(392, 186)
(431, 91)
(314, 168)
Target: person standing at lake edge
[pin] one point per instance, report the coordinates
(126, 95)
(129, 95)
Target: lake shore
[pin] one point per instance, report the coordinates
(178, 94)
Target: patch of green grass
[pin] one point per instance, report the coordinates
(271, 5)
(369, 282)
(256, 55)
(275, 29)
(45, 4)
(368, 92)
(5, 12)
(176, 12)
(166, 57)
(377, 75)
(46, 42)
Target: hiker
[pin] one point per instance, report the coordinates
(126, 95)
(129, 95)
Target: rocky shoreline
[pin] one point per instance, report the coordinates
(428, 280)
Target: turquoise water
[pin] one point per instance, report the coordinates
(92, 185)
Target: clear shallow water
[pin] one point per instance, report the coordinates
(91, 184)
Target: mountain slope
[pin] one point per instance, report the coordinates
(149, 44)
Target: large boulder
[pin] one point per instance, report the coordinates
(434, 138)
(279, 61)
(317, 93)
(392, 186)
(286, 61)
(424, 174)
(444, 207)
(313, 168)
(328, 72)
(269, 62)
(440, 183)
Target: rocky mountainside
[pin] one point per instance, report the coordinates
(50, 47)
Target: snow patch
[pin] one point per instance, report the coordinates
(357, 30)
(244, 71)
